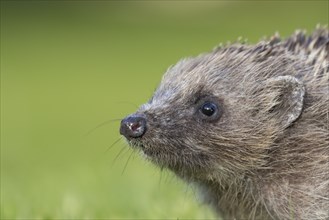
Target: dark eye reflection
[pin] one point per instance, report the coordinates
(209, 109)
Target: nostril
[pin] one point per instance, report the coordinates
(133, 126)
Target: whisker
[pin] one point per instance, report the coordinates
(101, 125)
(113, 144)
(160, 179)
(124, 168)
(118, 155)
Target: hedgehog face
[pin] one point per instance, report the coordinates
(177, 126)
(186, 124)
(199, 119)
(173, 136)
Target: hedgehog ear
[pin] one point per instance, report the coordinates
(284, 99)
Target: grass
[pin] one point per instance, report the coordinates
(68, 66)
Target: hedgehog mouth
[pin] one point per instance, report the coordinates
(179, 163)
(147, 150)
(136, 144)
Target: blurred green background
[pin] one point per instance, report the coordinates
(68, 66)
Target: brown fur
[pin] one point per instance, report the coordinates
(267, 157)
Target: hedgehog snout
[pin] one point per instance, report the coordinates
(133, 126)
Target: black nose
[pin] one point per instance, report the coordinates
(133, 126)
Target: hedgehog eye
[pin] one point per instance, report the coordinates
(208, 109)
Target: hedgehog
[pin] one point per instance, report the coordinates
(247, 125)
